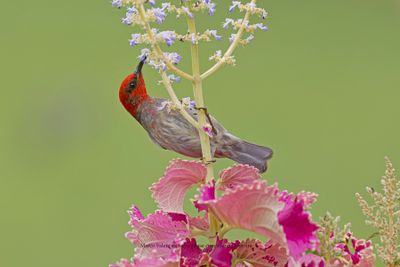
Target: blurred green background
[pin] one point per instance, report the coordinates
(321, 87)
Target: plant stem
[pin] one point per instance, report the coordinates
(176, 101)
(199, 99)
(231, 48)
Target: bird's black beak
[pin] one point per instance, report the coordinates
(140, 66)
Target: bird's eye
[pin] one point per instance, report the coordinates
(132, 84)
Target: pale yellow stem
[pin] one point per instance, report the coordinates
(199, 99)
(231, 48)
(176, 101)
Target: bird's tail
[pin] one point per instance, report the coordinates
(247, 153)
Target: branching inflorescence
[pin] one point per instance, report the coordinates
(384, 216)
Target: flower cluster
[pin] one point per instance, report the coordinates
(149, 15)
(185, 102)
(219, 58)
(240, 199)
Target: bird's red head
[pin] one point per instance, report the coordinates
(132, 91)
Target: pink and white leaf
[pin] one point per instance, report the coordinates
(238, 175)
(252, 207)
(169, 192)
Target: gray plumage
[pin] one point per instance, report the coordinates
(170, 130)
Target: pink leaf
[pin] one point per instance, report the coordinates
(169, 192)
(158, 235)
(254, 253)
(238, 175)
(253, 207)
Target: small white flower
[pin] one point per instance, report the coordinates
(135, 39)
(163, 105)
(261, 26)
(232, 38)
(228, 22)
(251, 7)
(186, 10)
(214, 34)
(174, 78)
(116, 3)
(234, 5)
(169, 37)
(249, 39)
(144, 53)
(187, 102)
(174, 57)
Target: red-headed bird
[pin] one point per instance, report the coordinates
(170, 130)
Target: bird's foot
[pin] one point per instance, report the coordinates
(208, 162)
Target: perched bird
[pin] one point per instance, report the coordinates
(170, 130)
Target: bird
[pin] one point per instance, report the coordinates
(170, 130)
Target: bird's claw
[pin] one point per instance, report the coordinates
(208, 162)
